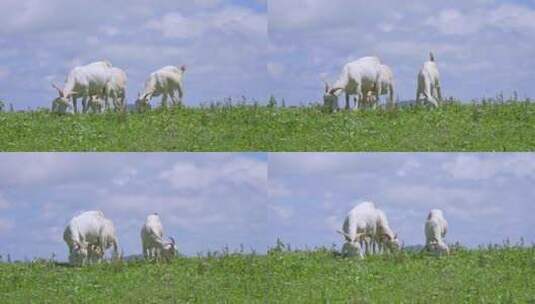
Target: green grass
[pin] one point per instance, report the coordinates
(493, 275)
(509, 126)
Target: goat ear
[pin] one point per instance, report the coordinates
(183, 68)
(60, 92)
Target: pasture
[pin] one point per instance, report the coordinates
(505, 126)
(487, 275)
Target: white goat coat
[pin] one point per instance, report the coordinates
(436, 228)
(357, 77)
(86, 81)
(359, 225)
(152, 241)
(429, 83)
(88, 229)
(384, 235)
(385, 83)
(166, 82)
(116, 88)
(366, 226)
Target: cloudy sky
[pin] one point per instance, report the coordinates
(222, 42)
(211, 200)
(258, 47)
(486, 198)
(206, 201)
(482, 46)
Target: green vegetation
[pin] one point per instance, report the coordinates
(491, 275)
(507, 126)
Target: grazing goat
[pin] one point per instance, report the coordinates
(167, 82)
(436, 228)
(84, 82)
(384, 85)
(358, 78)
(429, 83)
(154, 246)
(116, 89)
(366, 226)
(88, 235)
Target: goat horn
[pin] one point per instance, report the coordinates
(60, 91)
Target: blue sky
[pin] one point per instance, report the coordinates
(206, 201)
(211, 200)
(255, 48)
(482, 46)
(486, 198)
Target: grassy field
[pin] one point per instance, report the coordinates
(489, 275)
(489, 127)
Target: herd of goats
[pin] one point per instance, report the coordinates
(99, 82)
(366, 231)
(366, 78)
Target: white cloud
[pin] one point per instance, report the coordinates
(238, 171)
(478, 167)
(176, 26)
(505, 17)
(310, 163)
(278, 189)
(125, 177)
(207, 3)
(227, 20)
(408, 167)
(31, 168)
(471, 167)
(466, 202)
(283, 212)
(275, 69)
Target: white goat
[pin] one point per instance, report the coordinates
(366, 228)
(384, 237)
(84, 82)
(154, 246)
(359, 228)
(88, 235)
(436, 228)
(383, 86)
(429, 82)
(356, 77)
(167, 82)
(116, 89)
